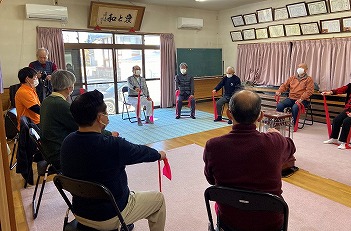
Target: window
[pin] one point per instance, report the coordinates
(104, 61)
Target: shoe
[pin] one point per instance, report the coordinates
(177, 117)
(193, 117)
(230, 122)
(342, 146)
(140, 123)
(130, 227)
(219, 118)
(331, 141)
(289, 171)
(148, 121)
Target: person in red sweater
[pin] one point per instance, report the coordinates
(343, 120)
(248, 159)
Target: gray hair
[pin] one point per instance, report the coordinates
(62, 79)
(43, 49)
(183, 64)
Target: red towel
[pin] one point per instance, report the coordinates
(167, 169)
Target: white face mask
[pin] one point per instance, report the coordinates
(300, 71)
(36, 82)
(229, 75)
(183, 71)
(105, 125)
(137, 72)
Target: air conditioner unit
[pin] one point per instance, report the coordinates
(46, 12)
(190, 23)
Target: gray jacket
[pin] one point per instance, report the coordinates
(137, 82)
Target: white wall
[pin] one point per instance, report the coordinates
(18, 35)
(226, 25)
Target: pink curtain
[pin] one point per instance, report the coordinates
(52, 39)
(264, 63)
(327, 59)
(168, 63)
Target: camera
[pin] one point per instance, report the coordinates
(43, 75)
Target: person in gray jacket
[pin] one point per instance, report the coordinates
(136, 83)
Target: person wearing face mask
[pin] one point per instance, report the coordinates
(185, 85)
(45, 68)
(231, 84)
(89, 155)
(26, 99)
(300, 88)
(341, 121)
(56, 119)
(136, 83)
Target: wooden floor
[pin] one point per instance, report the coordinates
(325, 187)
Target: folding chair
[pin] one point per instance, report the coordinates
(245, 200)
(12, 132)
(308, 111)
(126, 107)
(183, 112)
(87, 190)
(44, 170)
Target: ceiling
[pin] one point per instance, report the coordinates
(215, 5)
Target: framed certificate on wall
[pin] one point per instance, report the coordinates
(276, 31)
(261, 33)
(250, 19)
(309, 28)
(339, 5)
(297, 10)
(236, 36)
(238, 20)
(346, 24)
(317, 7)
(292, 29)
(249, 34)
(281, 14)
(265, 15)
(330, 26)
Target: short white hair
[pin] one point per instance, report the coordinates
(62, 79)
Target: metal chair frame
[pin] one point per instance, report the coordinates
(245, 200)
(132, 119)
(44, 170)
(87, 190)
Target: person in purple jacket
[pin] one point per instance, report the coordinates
(248, 159)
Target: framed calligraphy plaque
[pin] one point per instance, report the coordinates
(292, 29)
(236, 36)
(309, 28)
(297, 10)
(330, 26)
(250, 18)
(249, 34)
(281, 13)
(318, 7)
(346, 24)
(339, 5)
(261, 33)
(238, 20)
(276, 31)
(265, 15)
(115, 16)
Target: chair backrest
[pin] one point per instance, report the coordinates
(124, 91)
(13, 89)
(87, 190)
(76, 93)
(246, 200)
(34, 135)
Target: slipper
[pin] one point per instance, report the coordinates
(289, 171)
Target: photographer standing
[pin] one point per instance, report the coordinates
(44, 69)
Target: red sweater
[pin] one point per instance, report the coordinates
(248, 159)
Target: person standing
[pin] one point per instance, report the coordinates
(89, 155)
(137, 84)
(300, 88)
(231, 84)
(185, 85)
(248, 159)
(45, 68)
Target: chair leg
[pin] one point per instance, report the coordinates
(308, 111)
(36, 207)
(14, 149)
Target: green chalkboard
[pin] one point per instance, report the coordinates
(201, 62)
